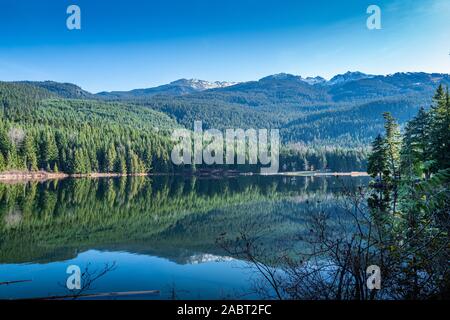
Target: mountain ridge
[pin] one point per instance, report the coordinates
(347, 112)
(185, 86)
(174, 88)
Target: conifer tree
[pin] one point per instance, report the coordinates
(440, 130)
(392, 141)
(79, 162)
(2, 162)
(48, 150)
(110, 158)
(120, 165)
(12, 159)
(30, 153)
(377, 162)
(5, 143)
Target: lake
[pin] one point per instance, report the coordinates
(154, 233)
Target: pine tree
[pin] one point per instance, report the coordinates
(440, 130)
(79, 162)
(407, 153)
(323, 164)
(392, 143)
(30, 153)
(377, 161)
(48, 150)
(5, 143)
(306, 166)
(415, 149)
(110, 158)
(421, 135)
(12, 162)
(88, 164)
(120, 165)
(62, 144)
(2, 163)
(133, 163)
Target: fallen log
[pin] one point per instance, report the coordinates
(98, 295)
(6, 283)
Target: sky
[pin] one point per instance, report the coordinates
(130, 44)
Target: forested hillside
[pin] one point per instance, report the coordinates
(175, 88)
(40, 131)
(323, 124)
(344, 113)
(62, 90)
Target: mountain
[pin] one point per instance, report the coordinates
(348, 77)
(331, 125)
(201, 85)
(63, 90)
(274, 89)
(25, 102)
(292, 89)
(414, 84)
(345, 110)
(293, 92)
(315, 80)
(175, 88)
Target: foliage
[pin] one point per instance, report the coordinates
(400, 223)
(79, 136)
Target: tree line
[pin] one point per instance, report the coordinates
(410, 200)
(38, 132)
(396, 228)
(41, 131)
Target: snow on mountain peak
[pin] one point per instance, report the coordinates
(314, 80)
(201, 85)
(348, 76)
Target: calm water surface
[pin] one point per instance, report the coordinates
(160, 233)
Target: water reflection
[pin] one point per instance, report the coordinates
(161, 231)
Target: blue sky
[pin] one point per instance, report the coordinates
(135, 43)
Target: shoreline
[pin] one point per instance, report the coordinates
(320, 174)
(40, 176)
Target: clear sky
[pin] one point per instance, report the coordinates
(131, 44)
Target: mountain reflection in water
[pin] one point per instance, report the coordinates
(159, 231)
